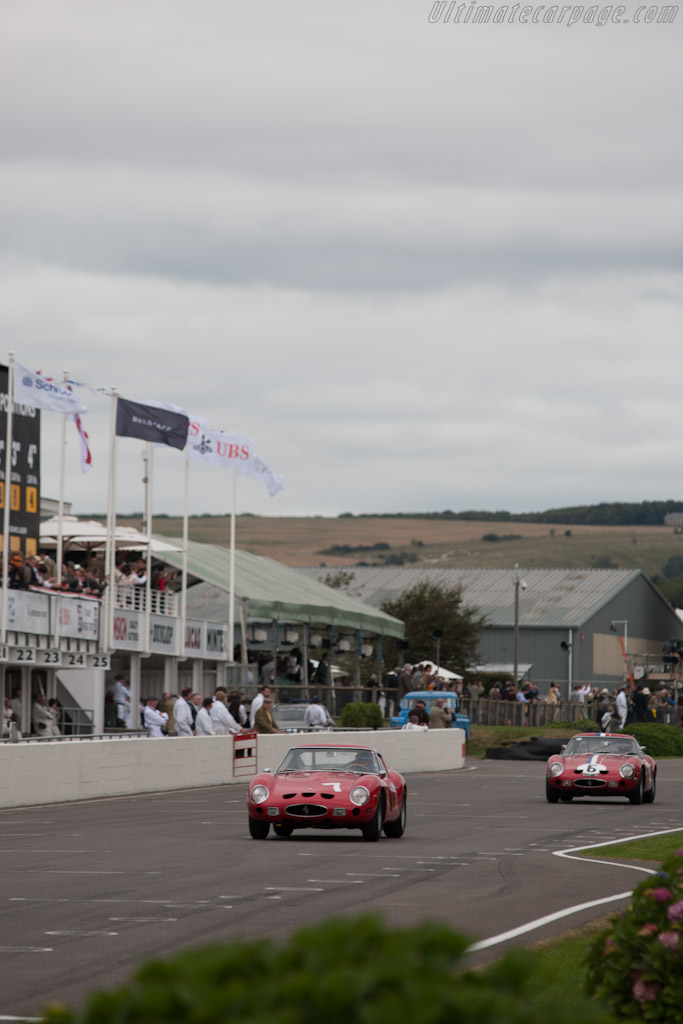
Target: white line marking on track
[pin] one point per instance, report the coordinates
(23, 949)
(367, 874)
(539, 922)
(292, 888)
(144, 920)
(72, 871)
(81, 933)
(558, 915)
(336, 881)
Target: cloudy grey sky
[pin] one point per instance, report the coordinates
(425, 265)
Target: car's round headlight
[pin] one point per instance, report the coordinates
(556, 768)
(359, 796)
(258, 794)
(627, 771)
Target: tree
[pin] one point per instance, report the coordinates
(433, 606)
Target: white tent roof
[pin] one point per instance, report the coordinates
(89, 534)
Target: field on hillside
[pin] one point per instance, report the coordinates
(438, 542)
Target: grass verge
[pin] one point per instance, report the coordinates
(656, 848)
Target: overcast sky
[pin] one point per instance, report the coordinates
(424, 265)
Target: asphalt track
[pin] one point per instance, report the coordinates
(88, 890)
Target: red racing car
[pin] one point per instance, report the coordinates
(329, 786)
(601, 764)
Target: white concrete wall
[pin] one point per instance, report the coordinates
(46, 773)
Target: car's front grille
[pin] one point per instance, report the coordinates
(590, 783)
(305, 810)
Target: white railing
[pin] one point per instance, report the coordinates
(132, 598)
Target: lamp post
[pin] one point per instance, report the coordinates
(438, 636)
(523, 584)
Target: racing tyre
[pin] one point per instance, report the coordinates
(258, 829)
(283, 830)
(636, 795)
(566, 798)
(551, 794)
(395, 829)
(373, 830)
(649, 797)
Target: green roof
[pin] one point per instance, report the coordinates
(276, 592)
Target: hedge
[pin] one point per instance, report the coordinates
(660, 740)
(340, 972)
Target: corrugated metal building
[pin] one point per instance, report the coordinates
(570, 620)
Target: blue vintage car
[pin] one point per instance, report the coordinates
(430, 697)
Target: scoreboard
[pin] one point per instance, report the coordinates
(24, 483)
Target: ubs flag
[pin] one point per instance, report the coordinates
(151, 423)
(24, 489)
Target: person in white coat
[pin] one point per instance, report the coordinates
(122, 700)
(221, 719)
(182, 713)
(154, 720)
(622, 707)
(42, 718)
(203, 723)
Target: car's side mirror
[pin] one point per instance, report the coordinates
(269, 770)
(563, 748)
(643, 748)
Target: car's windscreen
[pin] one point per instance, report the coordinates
(337, 759)
(601, 745)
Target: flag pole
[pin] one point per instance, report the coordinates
(148, 525)
(110, 560)
(183, 592)
(231, 613)
(60, 523)
(7, 489)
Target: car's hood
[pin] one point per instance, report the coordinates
(302, 782)
(601, 761)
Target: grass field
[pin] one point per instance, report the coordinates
(438, 542)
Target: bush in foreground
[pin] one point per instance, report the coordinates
(636, 965)
(360, 715)
(340, 972)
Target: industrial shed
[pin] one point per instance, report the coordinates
(570, 620)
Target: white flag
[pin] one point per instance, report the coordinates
(86, 457)
(214, 448)
(258, 469)
(42, 393)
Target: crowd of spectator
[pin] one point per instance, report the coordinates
(26, 572)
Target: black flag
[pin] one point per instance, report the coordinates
(148, 423)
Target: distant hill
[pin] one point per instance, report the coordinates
(644, 513)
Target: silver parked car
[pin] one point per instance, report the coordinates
(290, 717)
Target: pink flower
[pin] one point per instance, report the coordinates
(610, 946)
(648, 929)
(675, 911)
(669, 939)
(644, 991)
(661, 895)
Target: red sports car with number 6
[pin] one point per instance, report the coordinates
(329, 786)
(601, 764)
